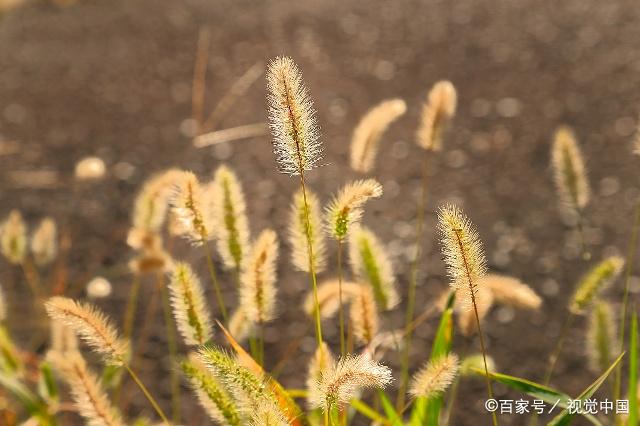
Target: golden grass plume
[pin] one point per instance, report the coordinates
(292, 118)
(364, 315)
(91, 325)
(569, 170)
(435, 377)
(436, 114)
(152, 202)
(511, 291)
(366, 137)
(189, 305)
(321, 361)
(346, 208)
(297, 233)
(191, 205)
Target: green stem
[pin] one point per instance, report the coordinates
(146, 393)
(484, 357)
(132, 304)
(341, 309)
(214, 280)
(312, 267)
(173, 353)
(553, 359)
(413, 279)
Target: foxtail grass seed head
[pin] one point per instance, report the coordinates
(151, 261)
(371, 263)
(98, 288)
(467, 318)
(298, 233)
(211, 393)
(62, 340)
(13, 240)
(89, 397)
(347, 206)
(463, 252)
(258, 279)
(511, 291)
(266, 413)
(569, 170)
(230, 217)
(339, 384)
(322, 361)
(601, 338)
(364, 315)
(592, 284)
(366, 137)
(152, 203)
(437, 112)
(191, 205)
(329, 297)
(239, 325)
(474, 362)
(435, 377)
(189, 305)
(91, 325)
(292, 119)
(44, 243)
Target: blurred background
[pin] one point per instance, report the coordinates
(113, 79)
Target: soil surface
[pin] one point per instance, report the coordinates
(113, 79)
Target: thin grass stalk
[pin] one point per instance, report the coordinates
(553, 359)
(146, 393)
(199, 78)
(484, 357)
(214, 280)
(173, 352)
(631, 254)
(341, 308)
(129, 316)
(413, 279)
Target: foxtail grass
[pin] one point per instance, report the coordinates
(435, 377)
(44, 242)
(364, 316)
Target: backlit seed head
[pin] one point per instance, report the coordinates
(435, 377)
(347, 206)
(44, 243)
(258, 278)
(298, 233)
(437, 112)
(569, 170)
(13, 240)
(596, 280)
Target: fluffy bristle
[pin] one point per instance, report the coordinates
(189, 305)
(371, 263)
(341, 382)
(569, 170)
(366, 137)
(44, 244)
(462, 250)
(346, 207)
(329, 297)
(88, 395)
(191, 206)
(435, 377)
(266, 413)
(230, 218)
(437, 112)
(257, 282)
(601, 338)
(152, 202)
(511, 291)
(298, 233)
(13, 241)
(91, 325)
(466, 317)
(292, 118)
(364, 315)
(599, 277)
(322, 360)
(212, 395)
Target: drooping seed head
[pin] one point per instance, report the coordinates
(44, 244)
(189, 305)
(371, 263)
(292, 119)
(191, 205)
(511, 291)
(437, 112)
(366, 137)
(298, 233)
(569, 170)
(230, 217)
(329, 297)
(340, 383)
(364, 315)
(463, 252)
(258, 278)
(597, 279)
(435, 377)
(13, 240)
(601, 337)
(91, 325)
(346, 207)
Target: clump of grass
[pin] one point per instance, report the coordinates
(366, 137)
(435, 377)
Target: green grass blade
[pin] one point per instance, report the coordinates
(427, 411)
(633, 373)
(367, 411)
(389, 409)
(47, 385)
(31, 403)
(565, 418)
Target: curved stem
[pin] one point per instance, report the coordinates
(146, 393)
(553, 359)
(214, 280)
(341, 312)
